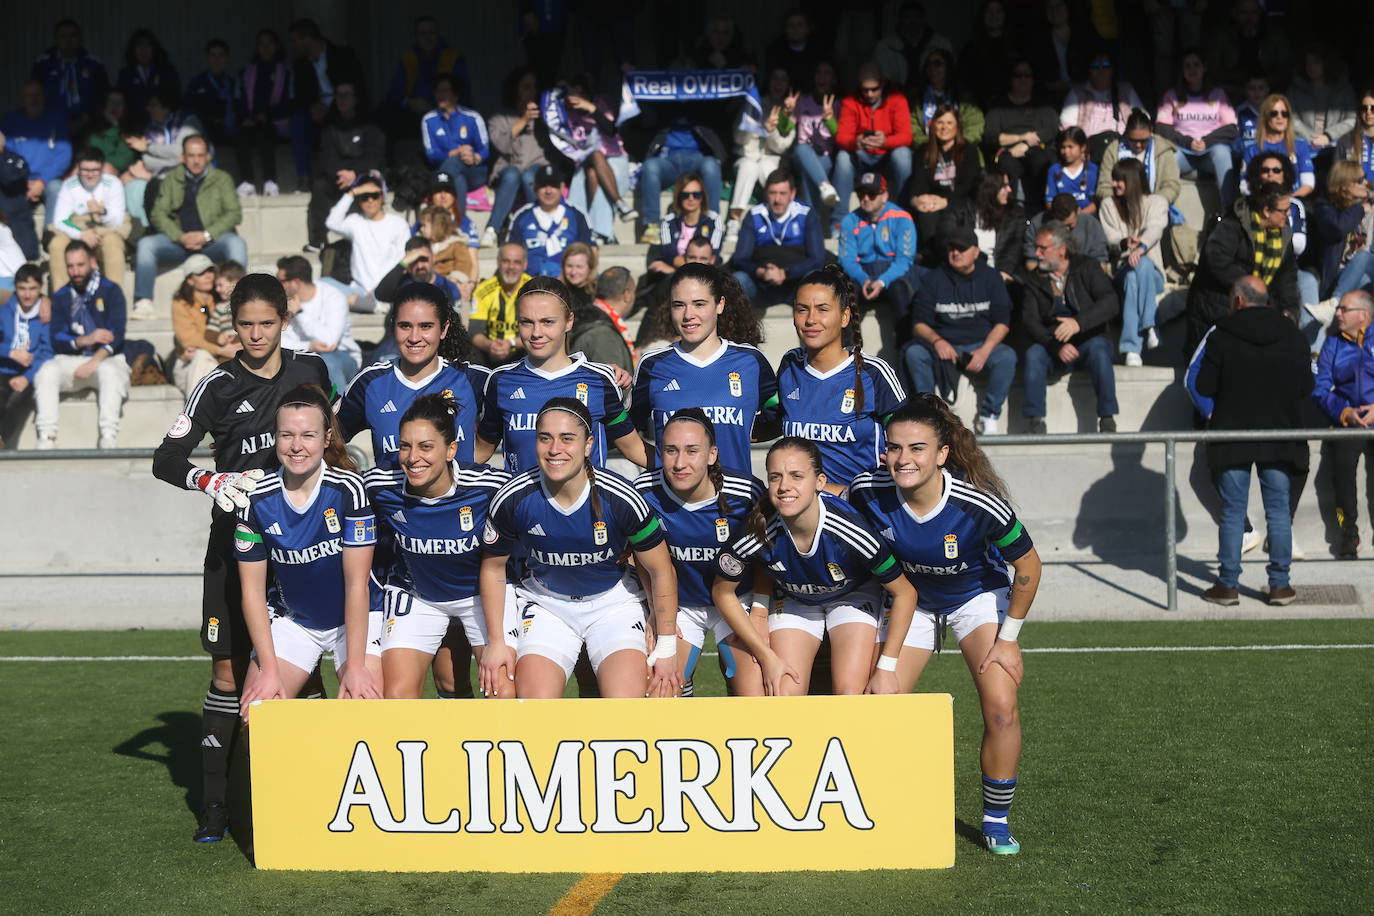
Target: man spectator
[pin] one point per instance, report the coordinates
(1345, 392)
(1085, 230)
(196, 210)
(615, 296)
(874, 133)
(25, 345)
(1252, 240)
(88, 342)
(73, 79)
(319, 67)
(350, 145)
(595, 336)
(493, 322)
(90, 207)
(1068, 304)
(779, 243)
(159, 148)
(960, 316)
(1257, 370)
(416, 266)
(212, 95)
(411, 92)
(456, 139)
(377, 237)
(15, 206)
(319, 320)
(681, 148)
(878, 244)
(797, 50)
(547, 226)
(39, 134)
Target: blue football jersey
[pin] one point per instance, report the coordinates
(955, 553)
(379, 396)
(438, 541)
(824, 408)
(1082, 187)
(304, 547)
(846, 554)
(515, 394)
(575, 551)
(696, 532)
(735, 386)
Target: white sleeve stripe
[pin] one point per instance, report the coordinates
(887, 373)
(617, 487)
(513, 488)
(999, 517)
(363, 377)
(194, 400)
(997, 505)
(602, 369)
(854, 537)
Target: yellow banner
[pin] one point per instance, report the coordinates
(721, 784)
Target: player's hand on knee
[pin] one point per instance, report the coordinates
(267, 687)
(882, 682)
(356, 683)
(230, 490)
(1007, 654)
(775, 671)
(497, 669)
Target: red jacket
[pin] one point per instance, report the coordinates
(892, 117)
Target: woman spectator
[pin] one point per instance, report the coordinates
(687, 219)
(816, 120)
(985, 63)
(1134, 221)
(1074, 173)
(1276, 168)
(451, 251)
(266, 87)
(1062, 50)
(945, 172)
(1341, 226)
(939, 86)
(108, 130)
(1016, 132)
(759, 156)
(1358, 145)
(1100, 106)
(579, 273)
(198, 350)
(999, 222)
(518, 154)
(1323, 101)
(1276, 135)
(147, 71)
(581, 128)
(1198, 119)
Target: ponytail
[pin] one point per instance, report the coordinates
(846, 293)
(336, 450)
(965, 455)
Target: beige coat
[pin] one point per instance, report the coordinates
(1155, 218)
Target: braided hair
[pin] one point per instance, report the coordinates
(584, 416)
(846, 293)
(714, 473)
(964, 454)
(756, 523)
(336, 450)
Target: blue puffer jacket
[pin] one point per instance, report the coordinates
(1345, 374)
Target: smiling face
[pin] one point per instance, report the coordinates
(563, 446)
(687, 452)
(510, 263)
(944, 127)
(301, 439)
(576, 269)
(695, 311)
(914, 455)
(544, 324)
(424, 455)
(418, 332)
(793, 482)
(819, 318)
(549, 196)
(259, 328)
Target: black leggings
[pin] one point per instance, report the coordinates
(1344, 457)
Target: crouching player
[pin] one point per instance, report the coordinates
(574, 525)
(943, 510)
(437, 508)
(310, 526)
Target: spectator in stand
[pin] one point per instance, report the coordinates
(25, 345)
(220, 324)
(878, 245)
(615, 296)
(1276, 135)
(213, 95)
(159, 150)
(1276, 167)
(1017, 130)
(901, 54)
(1197, 117)
(678, 149)
(16, 210)
(758, 157)
(198, 350)
(516, 151)
(1257, 370)
(1323, 101)
(940, 87)
(378, 240)
(1248, 44)
(1343, 226)
(1156, 154)
(319, 67)
(797, 50)
(1343, 389)
(606, 168)
(688, 221)
(412, 89)
(147, 71)
(985, 62)
(441, 195)
(1358, 145)
(453, 251)
(1100, 106)
(874, 134)
(1253, 239)
(1061, 51)
(1174, 24)
(780, 243)
(196, 210)
(11, 255)
(72, 78)
(319, 320)
(88, 345)
(1068, 306)
(813, 152)
(1085, 231)
(1248, 112)
(1134, 221)
(1074, 173)
(455, 139)
(579, 272)
(267, 105)
(106, 132)
(945, 174)
(90, 207)
(351, 144)
(547, 226)
(39, 134)
(416, 266)
(720, 47)
(960, 316)
(999, 222)
(493, 323)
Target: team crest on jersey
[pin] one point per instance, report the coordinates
(599, 533)
(835, 572)
(360, 530)
(331, 521)
(180, 427)
(847, 402)
(582, 396)
(212, 630)
(951, 546)
(465, 518)
(730, 565)
(722, 530)
(736, 386)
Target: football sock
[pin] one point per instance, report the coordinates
(219, 722)
(997, 796)
(444, 694)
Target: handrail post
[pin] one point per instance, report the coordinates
(1170, 523)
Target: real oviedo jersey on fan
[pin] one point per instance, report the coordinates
(439, 541)
(845, 554)
(515, 394)
(823, 407)
(304, 547)
(696, 532)
(571, 551)
(380, 395)
(735, 386)
(955, 553)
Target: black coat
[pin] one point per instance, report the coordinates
(356, 145)
(1089, 292)
(340, 64)
(1258, 371)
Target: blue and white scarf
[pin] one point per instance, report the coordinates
(574, 141)
(85, 307)
(693, 86)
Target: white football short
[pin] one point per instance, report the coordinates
(413, 623)
(695, 622)
(304, 646)
(863, 605)
(988, 607)
(375, 619)
(556, 626)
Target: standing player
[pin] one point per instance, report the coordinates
(715, 365)
(575, 524)
(310, 524)
(835, 396)
(516, 392)
(237, 405)
(832, 570)
(702, 507)
(954, 533)
(437, 507)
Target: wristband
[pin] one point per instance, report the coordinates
(1011, 628)
(664, 647)
(887, 663)
(760, 601)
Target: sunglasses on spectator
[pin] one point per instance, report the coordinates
(876, 88)
(1278, 113)
(869, 195)
(1271, 170)
(1101, 65)
(1366, 108)
(370, 195)
(691, 195)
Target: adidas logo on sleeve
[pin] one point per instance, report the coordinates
(672, 386)
(244, 407)
(537, 529)
(388, 407)
(795, 395)
(518, 394)
(398, 516)
(275, 529)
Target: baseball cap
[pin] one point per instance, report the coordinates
(871, 183)
(546, 176)
(442, 182)
(960, 236)
(196, 264)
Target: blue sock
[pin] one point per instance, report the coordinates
(997, 796)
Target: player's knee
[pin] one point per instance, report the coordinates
(1002, 714)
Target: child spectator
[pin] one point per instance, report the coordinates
(451, 250)
(814, 151)
(1074, 173)
(221, 320)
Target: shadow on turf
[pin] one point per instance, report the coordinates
(969, 832)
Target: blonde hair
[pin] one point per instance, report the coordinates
(440, 223)
(581, 248)
(1344, 173)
